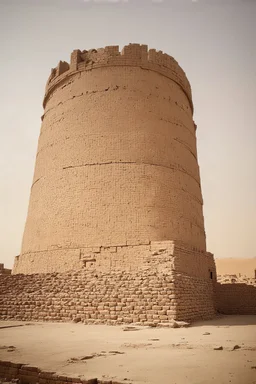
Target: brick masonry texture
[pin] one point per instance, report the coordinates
(116, 165)
(26, 374)
(168, 285)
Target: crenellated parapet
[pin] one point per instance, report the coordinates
(134, 55)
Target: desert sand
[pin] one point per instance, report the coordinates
(140, 354)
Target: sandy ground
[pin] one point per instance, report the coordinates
(145, 355)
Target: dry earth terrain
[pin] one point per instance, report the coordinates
(219, 351)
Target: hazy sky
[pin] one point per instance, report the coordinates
(213, 41)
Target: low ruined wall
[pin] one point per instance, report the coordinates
(4, 271)
(33, 375)
(236, 298)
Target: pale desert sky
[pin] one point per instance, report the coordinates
(213, 41)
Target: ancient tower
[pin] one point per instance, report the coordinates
(116, 172)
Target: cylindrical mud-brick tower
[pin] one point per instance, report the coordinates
(116, 164)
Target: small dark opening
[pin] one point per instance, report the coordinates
(211, 275)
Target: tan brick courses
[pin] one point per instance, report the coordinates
(164, 287)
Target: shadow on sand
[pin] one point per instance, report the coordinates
(227, 321)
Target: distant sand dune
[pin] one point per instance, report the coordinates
(235, 266)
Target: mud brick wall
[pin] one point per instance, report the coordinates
(236, 298)
(33, 375)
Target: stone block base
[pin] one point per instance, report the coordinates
(171, 282)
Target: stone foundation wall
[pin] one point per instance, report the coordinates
(162, 285)
(91, 297)
(96, 298)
